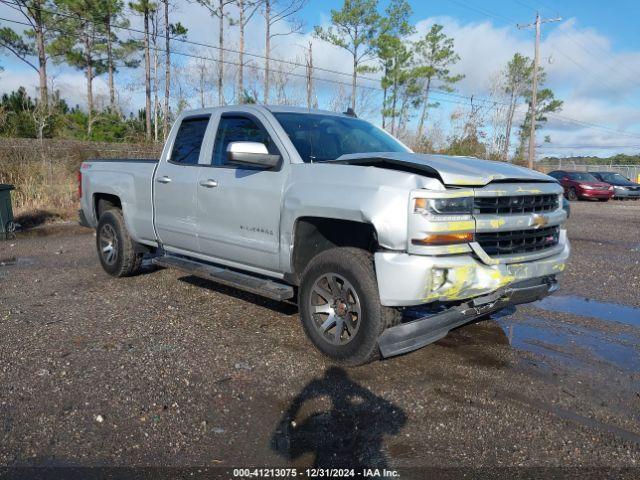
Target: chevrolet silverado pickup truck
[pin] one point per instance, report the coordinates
(329, 211)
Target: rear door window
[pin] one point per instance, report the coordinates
(188, 142)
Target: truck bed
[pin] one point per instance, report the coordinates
(129, 179)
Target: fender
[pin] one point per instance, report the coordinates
(360, 194)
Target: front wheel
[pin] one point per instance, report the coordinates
(340, 306)
(116, 248)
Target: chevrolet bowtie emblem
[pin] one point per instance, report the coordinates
(539, 221)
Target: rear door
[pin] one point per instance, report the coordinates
(175, 187)
(239, 207)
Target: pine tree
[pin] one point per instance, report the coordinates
(434, 54)
(354, 28)
(79, 42)
(32, 42)
(145, 9)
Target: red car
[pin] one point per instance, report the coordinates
(582, 185)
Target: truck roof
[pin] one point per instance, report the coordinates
(267, 108)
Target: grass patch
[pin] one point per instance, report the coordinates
(45, 174)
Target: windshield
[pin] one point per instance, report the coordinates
(614, 177)
(319, 138)
(583, 177)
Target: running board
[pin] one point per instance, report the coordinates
(230, 278)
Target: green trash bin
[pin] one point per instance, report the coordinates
(6, 212)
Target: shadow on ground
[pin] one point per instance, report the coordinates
(335, 422)
(284, 308)
(35, 218)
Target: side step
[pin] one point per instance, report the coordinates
(231, 278)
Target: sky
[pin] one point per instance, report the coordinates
(591, 57)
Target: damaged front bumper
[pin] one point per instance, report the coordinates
(409, 280)
(430, 328)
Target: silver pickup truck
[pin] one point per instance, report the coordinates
(332, 212)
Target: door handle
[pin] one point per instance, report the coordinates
(208, 183)
(164, 179)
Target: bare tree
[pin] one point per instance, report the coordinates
(155, 33)
(167, 70)
(312, 101)
(287, 92)
(170, 30)
(246, 11)
(200, 77)
(217, 9)
(339, 100)
(497, 120)
(276, 12)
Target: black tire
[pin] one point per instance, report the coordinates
(572, 195)
(125, 260)
(356, 267)
(603, 199)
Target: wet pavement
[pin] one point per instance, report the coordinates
(167, 369)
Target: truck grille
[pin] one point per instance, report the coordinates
(519, 241)
(516, 204)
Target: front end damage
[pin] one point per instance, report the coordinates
(415, 334)
(508, 250)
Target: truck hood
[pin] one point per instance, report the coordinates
(451, 170)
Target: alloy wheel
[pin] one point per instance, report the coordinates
(108, 244)
(335, 307)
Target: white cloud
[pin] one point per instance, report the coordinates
(597, 84)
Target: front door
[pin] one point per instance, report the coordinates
(239, 207)
(175, 188)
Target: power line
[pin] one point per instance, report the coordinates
(195, 43)
(587, 50)
(483, 11)
(486, 102)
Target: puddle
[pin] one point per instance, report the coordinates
(573, 344)
(590, 308)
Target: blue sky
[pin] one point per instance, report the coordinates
(592, 60)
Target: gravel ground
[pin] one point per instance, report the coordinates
(169, 370)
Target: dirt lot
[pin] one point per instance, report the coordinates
(165, 369)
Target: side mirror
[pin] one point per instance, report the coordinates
(254, 154)
(565, 178)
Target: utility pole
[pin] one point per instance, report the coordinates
(534, 88)
(309, 75)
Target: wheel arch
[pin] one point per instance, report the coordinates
(314, 235)
(103, 202)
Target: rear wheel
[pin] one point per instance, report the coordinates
(340, 306)
(572, 194)
(116, 249)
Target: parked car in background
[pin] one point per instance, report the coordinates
(582, 185)
(623, 188)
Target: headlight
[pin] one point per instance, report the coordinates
(462, 206)
(621, 188)
(586, 187)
